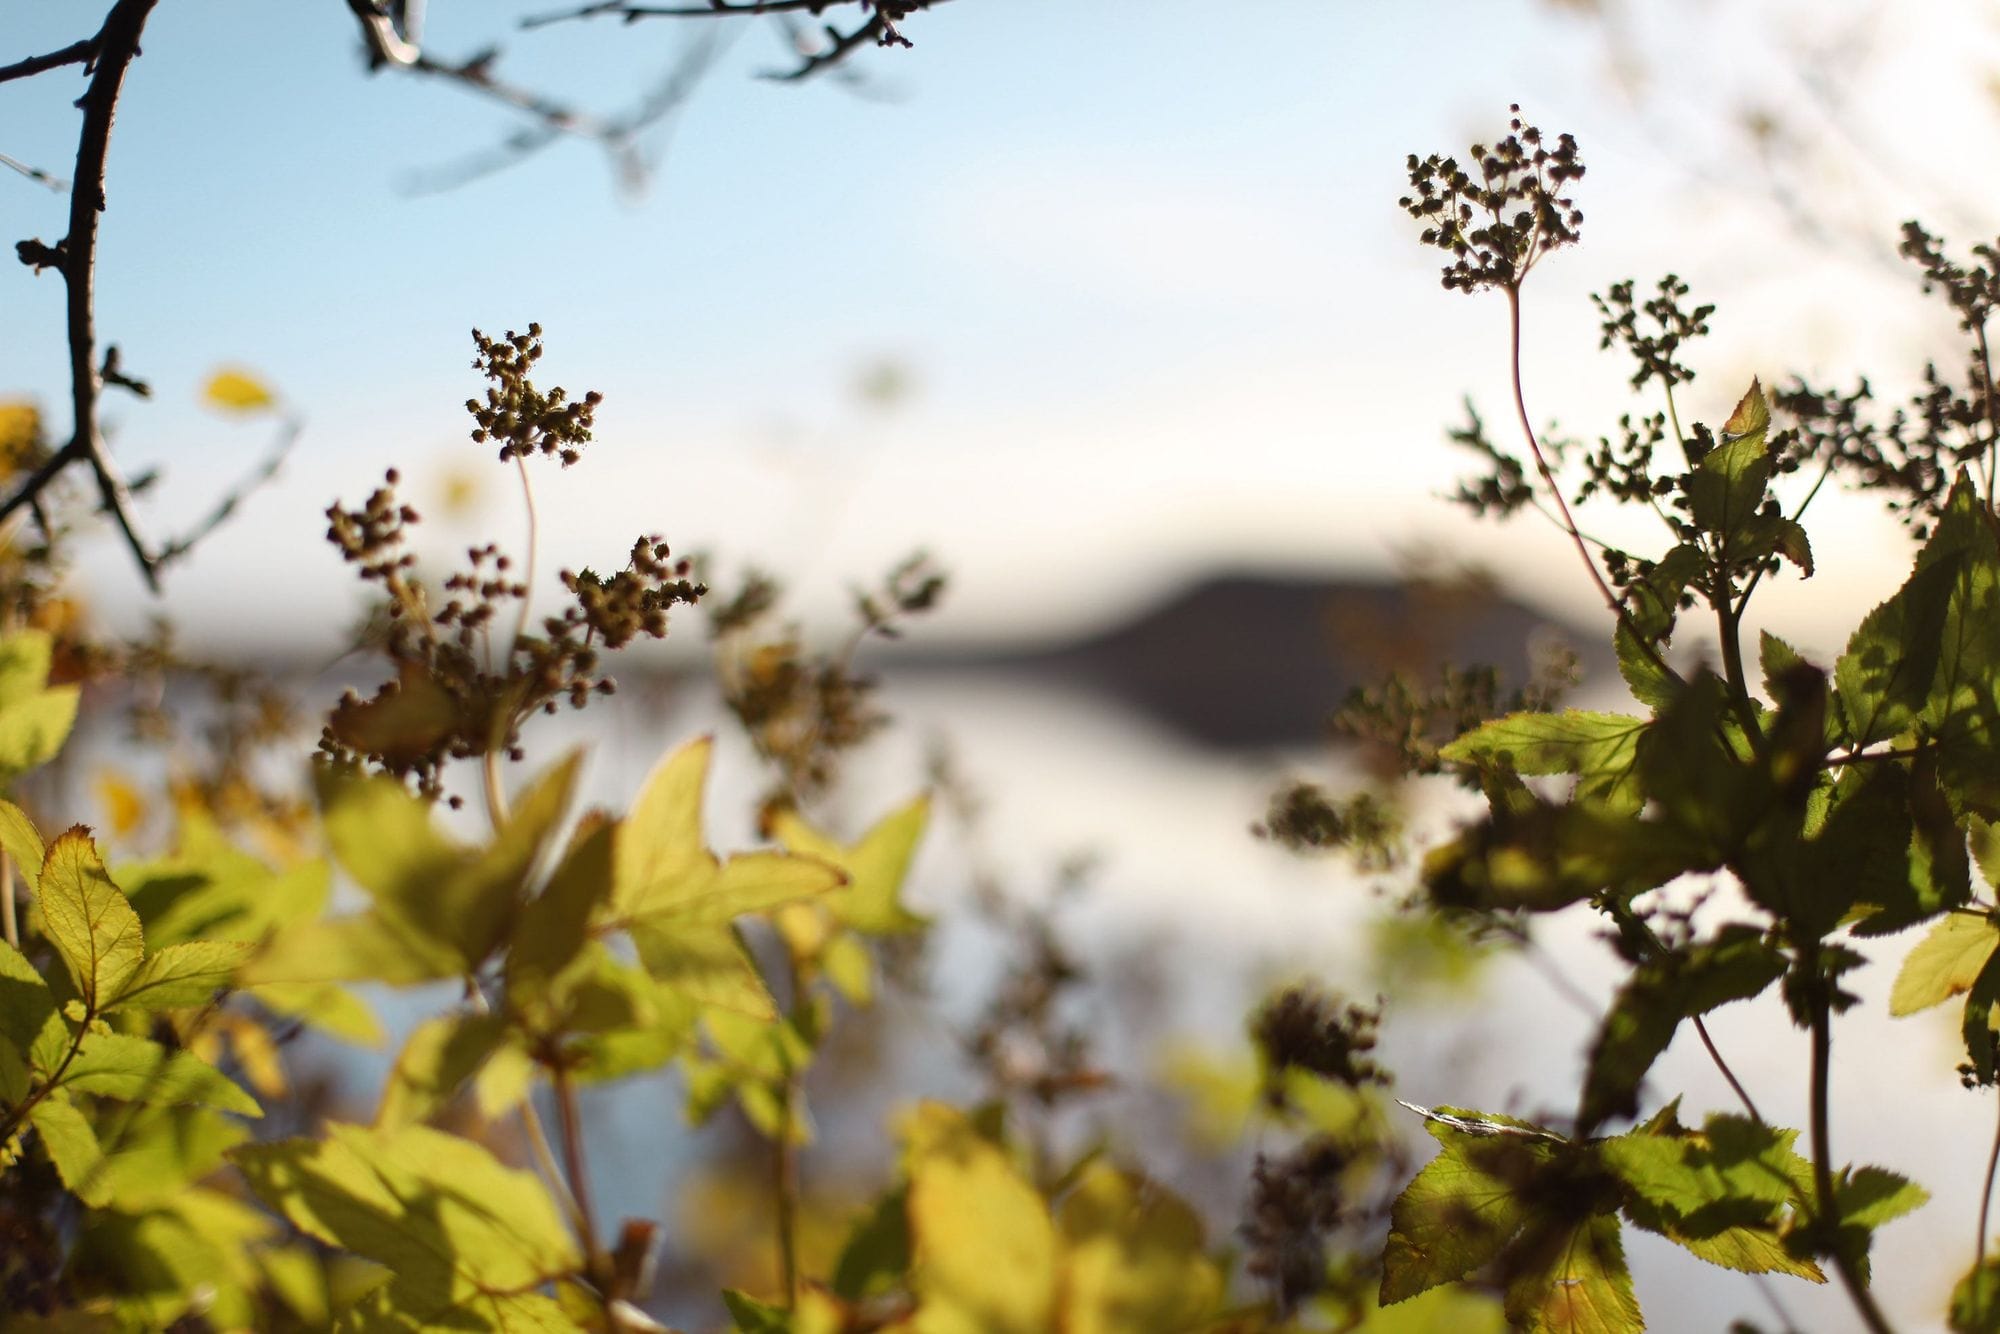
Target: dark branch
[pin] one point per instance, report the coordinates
(113, 50)
(879, 29)
(76, 53)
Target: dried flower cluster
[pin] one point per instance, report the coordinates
(1497, 220)
(463, 686)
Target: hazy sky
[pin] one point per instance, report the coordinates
(1141, 265)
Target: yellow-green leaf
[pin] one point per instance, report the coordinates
(875, 867)
(72, 1146)
(136, 1069)
(439, 1057)
(88, 921)
(441, 1212)
(186, 974)
(1132, 1258)
(1945, 962)
(985, 1251)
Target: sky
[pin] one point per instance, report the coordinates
(1141, 271)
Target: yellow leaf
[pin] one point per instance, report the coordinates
(984, 1249)
(233, 389)
(1133, 1259)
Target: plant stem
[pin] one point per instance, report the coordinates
(1985, 1218)
(1826, 1210)
(8, 921)
(1742, 1094)
(785, 1181)
(528, 572)
(571, 1118)
(1565, 520)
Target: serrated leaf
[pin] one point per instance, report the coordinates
(1735, 965)
(1945, 962)
(136, 1069)
(233, 389)
(1463, 1209)
(1573, 1280)
(441, 1212)
(1599, 748)
(72, 1146)
(1869, 1197)
(92, 927)
(1648, 680)
(186, 974)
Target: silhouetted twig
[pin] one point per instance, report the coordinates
(75, 257)
(878, 29)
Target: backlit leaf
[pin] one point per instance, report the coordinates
(1132, 1258)
(1600, 748)
(441, 1212)
(1464, 1208)
(1945, 962)
(88, 921)
(122, 1065)
(876, 867)
(185, 974)
(1573, 1280)
(985, 1252)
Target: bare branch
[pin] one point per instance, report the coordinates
(76, 53)
(879, 29)
(618, 135)
(224, 509)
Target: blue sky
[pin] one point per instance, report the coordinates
(1142, 264)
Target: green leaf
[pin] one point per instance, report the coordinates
(1648, 679)
(877, 1253)
(179, 975)
(1573, 1280)
(1975, 1301)
(1726, 488)
(554, 927)
(1736, 964)
(754, 1317)
(33, 730)
(19, 839)
(72, 1146)
(1885, 676)
(159, 1152)
(28, 1017)
(1869, 1197)
(211, 890)
(1945, 962)
(875, 867)
(367, 946)
(441, 1212)
(1726, 1194)
(985, 1251)
(439, 1057)
(1777, 659)
(1980, 999)
(88, 921)
(1463, 1209)
(136, 1069)
(1601, 749)
(1134, 1257)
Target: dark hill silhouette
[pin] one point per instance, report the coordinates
(1255, 661)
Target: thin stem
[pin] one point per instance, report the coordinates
(1826, 1209)
(1985, 1219)
(8, 920)
(531, 1123)
(528, 573)
(571, 1118)
(1992, 411)
(1742, 1095)
(1565, 520)
(785, 1185)
(496, 791)
(1674, 416)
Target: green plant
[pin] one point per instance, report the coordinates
(1825, 805)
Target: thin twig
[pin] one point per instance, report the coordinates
(571, 1117)
(76, 53)
(1826, 1209)
(1985, 1219)
(225, 508)
(1728, 1074)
